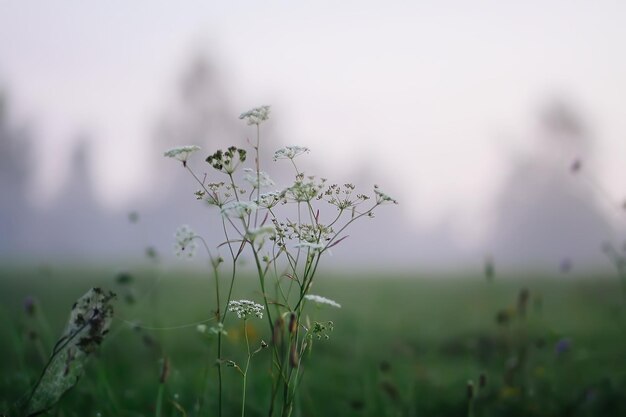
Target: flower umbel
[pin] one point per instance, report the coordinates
(263, 179)
(382, 197)
(238, 209)
(246, 308)
(270, 199)
(185, 246)
(304, 190)
(315, 247)
(256, 115)
(260, 232)
(290, 152)
(227, 161)
(181, 153)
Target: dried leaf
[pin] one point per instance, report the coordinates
(87, 326)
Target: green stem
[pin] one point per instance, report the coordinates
(470, 408)
(245, 373)
(258, 173)
(159, 401)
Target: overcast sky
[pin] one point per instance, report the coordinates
(437, 94)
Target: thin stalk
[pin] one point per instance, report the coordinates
(258, 173)
(245, 372)
(159, 400)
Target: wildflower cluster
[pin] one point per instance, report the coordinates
(271, 199)
(185, 245)
(382, 197)
(343, 197)
(290, 152)
(310, 233)
(239, 209)
(305, 190)
(246, 308)
(321, 330)
(258, 180)
(256, 115)
(227, 161)
(181, 153)
(259, 233)
(287, 233)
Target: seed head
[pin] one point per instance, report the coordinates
(227, 161)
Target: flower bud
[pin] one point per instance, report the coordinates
(293, 323)
(470, 390)
(277, 331)
(482, 380)
(293, 356)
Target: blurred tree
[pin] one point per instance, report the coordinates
(201, 112)
(15, 175)
(545, 213)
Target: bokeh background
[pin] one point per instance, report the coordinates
(498, 126)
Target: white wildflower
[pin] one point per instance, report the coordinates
(311, 245)
(201, 328)
(218, 329)
(382, 197)
(322, 300)
(239, 209)
(261, 232)
(185, 245)
(263, 179)
(270, 199)
(290, 152)
(256, 115)
(246, 308)
(304, 190)
(181, 153)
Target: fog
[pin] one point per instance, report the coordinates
(515, 157)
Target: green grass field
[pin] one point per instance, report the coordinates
(401, 345)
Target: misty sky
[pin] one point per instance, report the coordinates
(436, 94)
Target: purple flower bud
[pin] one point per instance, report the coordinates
(563, 346)
(29, 305)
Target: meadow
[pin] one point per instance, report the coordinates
(402, 344)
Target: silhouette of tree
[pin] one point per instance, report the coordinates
(15, 176)
(544, 213)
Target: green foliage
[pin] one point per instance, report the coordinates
(404, 345)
